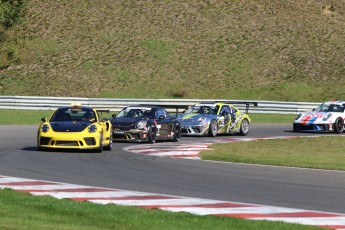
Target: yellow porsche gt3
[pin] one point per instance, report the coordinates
(75, 127)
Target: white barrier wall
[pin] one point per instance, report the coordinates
(116, 104)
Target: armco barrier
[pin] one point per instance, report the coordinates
(116, 104)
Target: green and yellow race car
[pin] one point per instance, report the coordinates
(212, 118)
(75, 127)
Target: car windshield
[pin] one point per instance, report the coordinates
(203, 109)
(139, 112)
(329, 108)
(71, 114)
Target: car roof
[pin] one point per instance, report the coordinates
(335, 102)
(86, 108)
(142, 106)
(211, 103)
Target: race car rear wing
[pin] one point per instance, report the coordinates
(169, 106)
(100, 113)
(247, 103)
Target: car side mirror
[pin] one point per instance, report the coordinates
(44, 119)
(113, 116)
(224, 113)
(161, 117)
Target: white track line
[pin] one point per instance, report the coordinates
(195, 206)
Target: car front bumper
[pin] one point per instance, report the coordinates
(134, 135)
(66, 140)
(194, 130)
(313, 127)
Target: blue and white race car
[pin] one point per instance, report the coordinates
(328, 117)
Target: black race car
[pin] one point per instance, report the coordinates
(145, 123)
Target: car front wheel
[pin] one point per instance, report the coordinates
(109, 147)
(177, 133)
(152, 134)
(213, 129)
(100, 148)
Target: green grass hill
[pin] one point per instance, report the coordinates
(291, 50)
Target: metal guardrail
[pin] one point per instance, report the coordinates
(116, 104)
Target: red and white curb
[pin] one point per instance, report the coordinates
(185, 150)
(195, 206)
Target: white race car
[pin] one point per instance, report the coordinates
(329, 116)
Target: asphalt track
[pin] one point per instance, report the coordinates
(278, 186)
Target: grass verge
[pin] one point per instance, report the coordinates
(318, 152)
(24, 211)
(23, 117)
(272, 118)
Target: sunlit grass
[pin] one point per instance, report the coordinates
(317, 152)
(20, 211)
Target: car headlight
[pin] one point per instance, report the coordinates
(201, 119)
(45, 128)
(92, 128)
(328, 116)
(298, 116)
(141, 124)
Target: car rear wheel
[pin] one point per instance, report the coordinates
(177, 133)
(245, 127)
(151, 135)
(339, 125)
(213, 129)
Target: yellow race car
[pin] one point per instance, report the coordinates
(75, 127)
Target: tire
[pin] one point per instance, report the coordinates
(151, 135)
(294, 128)
(39, 148)
(177, 133)
(339, 125)
(213, 129)
(245, 127)
(100, 148)
(110, 146)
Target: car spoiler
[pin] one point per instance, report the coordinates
(103, 110)
(169, 106)
(100, 113)
(247, 103)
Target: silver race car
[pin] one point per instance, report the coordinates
(214, 118)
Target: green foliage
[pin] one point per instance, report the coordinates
(11, 12)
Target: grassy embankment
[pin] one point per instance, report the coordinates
(252, 49)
